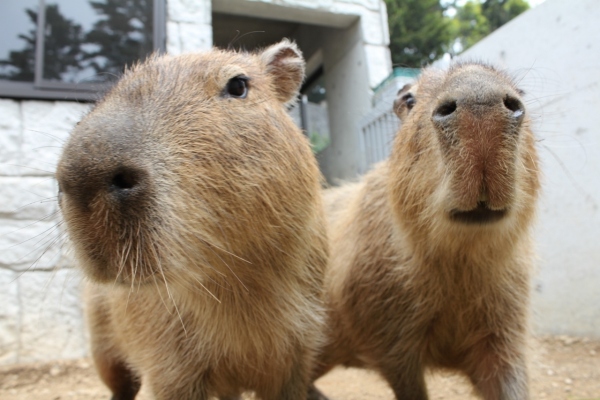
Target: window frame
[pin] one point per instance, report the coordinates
(45, 90)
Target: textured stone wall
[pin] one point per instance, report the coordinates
(40, 308)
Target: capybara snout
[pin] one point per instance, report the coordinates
(477, 115)
(114, 174)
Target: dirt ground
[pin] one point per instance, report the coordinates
(561, 368)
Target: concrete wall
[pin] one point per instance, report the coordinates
(554, 53)
(41, 316)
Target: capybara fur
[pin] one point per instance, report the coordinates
(431, 253)
(193, 203)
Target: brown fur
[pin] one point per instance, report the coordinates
(415, 281)
(198, 219)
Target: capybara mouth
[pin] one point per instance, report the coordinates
(481, 214)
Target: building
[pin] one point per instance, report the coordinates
(41, 88)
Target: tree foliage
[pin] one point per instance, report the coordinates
(499, 12)
(478, 18)
(419, 31)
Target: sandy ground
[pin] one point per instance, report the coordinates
(561, 368)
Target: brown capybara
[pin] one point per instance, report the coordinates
(431, 253)
(193, 204)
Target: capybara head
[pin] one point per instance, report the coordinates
(465, 154)
(189, 165)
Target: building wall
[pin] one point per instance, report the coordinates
(41, 315)
(554, 54)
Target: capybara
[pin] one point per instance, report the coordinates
(193, 204)
(431, 253)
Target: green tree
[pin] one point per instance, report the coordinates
(477, 19)
(419, 31)
(499, 12)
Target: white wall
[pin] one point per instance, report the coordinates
(554, 52)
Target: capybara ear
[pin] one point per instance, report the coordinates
(285, 63)
(405, 101)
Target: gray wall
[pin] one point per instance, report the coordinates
(554, 52)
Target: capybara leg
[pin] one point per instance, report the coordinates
(498, 381)
(110, 364)
(121, 381)
(406, 379)
(315, 394)
(230, 397)
(296, 385)
(168, 391)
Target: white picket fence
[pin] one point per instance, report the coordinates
(379, 126)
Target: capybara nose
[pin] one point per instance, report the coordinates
(88, 183)
(125, 181)
(452, 113)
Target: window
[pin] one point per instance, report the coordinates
(71, 49)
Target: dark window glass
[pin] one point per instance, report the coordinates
(82, 45)
(18, 21)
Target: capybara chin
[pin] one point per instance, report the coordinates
(431, 252)
(193, 205)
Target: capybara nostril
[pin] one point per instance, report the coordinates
(125, 179)
(515, 105)
(445, 109)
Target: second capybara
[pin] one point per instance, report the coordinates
(431, 253)
(193, 204)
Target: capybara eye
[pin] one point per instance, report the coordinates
(237, 87)
(409, 100)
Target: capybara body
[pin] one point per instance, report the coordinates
(193, 205)
(431, 252)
